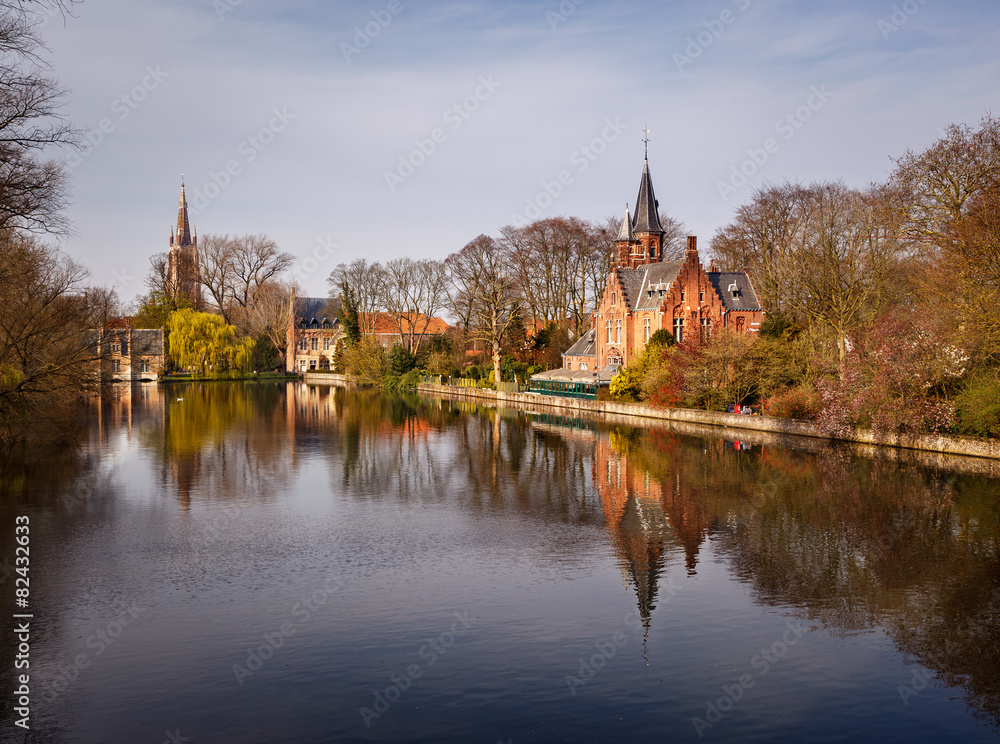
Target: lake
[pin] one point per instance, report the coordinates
(229, 562)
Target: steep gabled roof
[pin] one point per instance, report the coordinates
(746, 297)
(647, 217)
(583, 347)
(656, 277)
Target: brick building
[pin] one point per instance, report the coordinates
(312, 336)
(128, 354)
(644, 293)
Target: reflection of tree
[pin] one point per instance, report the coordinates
(858, 543)
(221, 442)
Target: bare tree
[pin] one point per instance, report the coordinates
(256, 260)
(761, 240)
(216, 272)
(32, 186)
(935, 186)
(270, 312)
(844, 258)
(486, 275)
(366, 283)
(413, 293)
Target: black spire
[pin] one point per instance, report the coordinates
(647, 218)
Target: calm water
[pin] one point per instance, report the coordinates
(227, 563)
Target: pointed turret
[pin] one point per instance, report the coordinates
(625, 232)
(647, 218)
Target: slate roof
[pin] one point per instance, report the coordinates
(746, 297)
(585, 346)
(625, 231)
(307, 308)
(147, 341)
(655, 277)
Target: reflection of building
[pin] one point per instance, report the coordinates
(182, 258)
(130, 354)
(648, 518)
(313, 335)
(644, 293)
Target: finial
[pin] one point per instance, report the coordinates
(182, 179)
(645, 142)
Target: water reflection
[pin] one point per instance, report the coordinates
(849, 540)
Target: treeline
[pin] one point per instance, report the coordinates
(882, 302)
(547, 275)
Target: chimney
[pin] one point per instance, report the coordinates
(711, 264)
(691, 254)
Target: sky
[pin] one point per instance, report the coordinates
(392, 128)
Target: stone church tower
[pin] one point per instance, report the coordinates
(182, 258)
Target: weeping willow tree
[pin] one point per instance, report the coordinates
(207, 345)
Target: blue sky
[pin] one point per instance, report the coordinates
(399, 127)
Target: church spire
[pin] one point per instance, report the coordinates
(183, 225)
(647, 218)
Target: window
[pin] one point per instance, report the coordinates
(701, 296)
(144, 365)
(116, 348)
(614, 298)
(618, 332)
(312, 364)
(315, 344)
(302, 364)
(645, 329)
(662, 292)
(679, 330)
(609, 331)
(116, 366)
(303, 345)
(706, 329)
(326, 344)
(682, 295)
(583, 366)
(649, 293)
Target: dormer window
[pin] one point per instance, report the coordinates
(734, 290)
(649, 293)
(662, 292)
